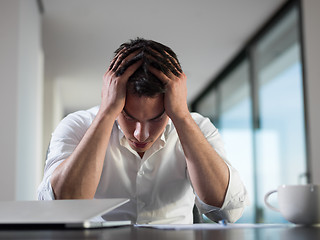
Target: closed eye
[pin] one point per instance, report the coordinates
(132, 119)
(127, 117)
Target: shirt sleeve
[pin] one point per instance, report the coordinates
(236, 198)
(64, 140)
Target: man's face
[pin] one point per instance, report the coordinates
(142, 121)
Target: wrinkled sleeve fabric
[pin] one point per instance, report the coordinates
(64, 140)
(236, 198)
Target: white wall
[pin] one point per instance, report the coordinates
(9, 22)
(21, 64)
(311, 21)
(30, 100)
(53, 110)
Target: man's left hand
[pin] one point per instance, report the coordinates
(175, 98)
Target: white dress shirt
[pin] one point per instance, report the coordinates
(157, 185)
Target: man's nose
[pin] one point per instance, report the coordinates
(141, 132)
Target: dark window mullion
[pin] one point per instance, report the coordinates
(255, 118)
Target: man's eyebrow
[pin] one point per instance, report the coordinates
(156, 117)
(159, 116)
(128, 114)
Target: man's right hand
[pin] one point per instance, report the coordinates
(114, 83)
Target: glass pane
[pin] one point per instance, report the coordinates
(235, 125)
(208, 106)
(281, 153)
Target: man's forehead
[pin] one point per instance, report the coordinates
(135, 98)
(144, 107)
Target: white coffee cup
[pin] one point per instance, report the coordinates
(299, 204)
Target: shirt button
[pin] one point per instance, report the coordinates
(141, 172)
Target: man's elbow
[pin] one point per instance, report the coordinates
(231, 216)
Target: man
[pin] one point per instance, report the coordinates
(143, 143)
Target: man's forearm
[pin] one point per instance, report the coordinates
(78, 176)
(208, 172)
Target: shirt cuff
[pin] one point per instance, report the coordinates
(45, 191)
(234, 203)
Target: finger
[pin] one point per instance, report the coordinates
(131, 69)
(126, 54)
(128, 61)
(157, 60)
(112, 63)
(166, 69)
(175, 71)
(164, 62)
(159, 74)
(175, 65)
(117, 60)
(168, 58)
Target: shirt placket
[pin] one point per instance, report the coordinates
(140, 186)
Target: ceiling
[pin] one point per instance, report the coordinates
(80, 36)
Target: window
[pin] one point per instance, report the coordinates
(280, 135)
(257, 104)
(235, 125)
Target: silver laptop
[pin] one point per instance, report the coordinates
(59, 213)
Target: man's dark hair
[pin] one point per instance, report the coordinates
(142, 82)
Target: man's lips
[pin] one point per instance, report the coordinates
(139, 145)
